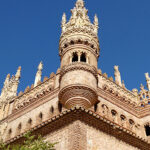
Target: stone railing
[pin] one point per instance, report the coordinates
(31, 94)
(108, 84)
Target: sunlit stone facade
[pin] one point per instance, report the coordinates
(79, 107)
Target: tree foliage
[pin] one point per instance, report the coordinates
(30, 143)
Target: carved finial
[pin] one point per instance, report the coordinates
(123, 84)
(38, 74)
(79, 19)
(63, 22)
(96, 24)
(45, 79)
(80, 4)
(147, 80)
(135, 92)
(117, 75)
(20, 93)
(40, 67)
(111, 79)
(99, 71)
(142, 87)
(27, 89)
(8, 76)
(52, 75)
(58, 71)
(7, 80)
(18, 73)
(105, 75)
(95, 20)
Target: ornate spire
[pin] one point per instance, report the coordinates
(79, 20)
(79, 4)
(7, 80)
(18, 73)
(147, 80)
(117, 75)
(96, 20)
(38, 74)
(10, 87)
(63, 22)
(96, 24)
(40, 67)
(6, 84)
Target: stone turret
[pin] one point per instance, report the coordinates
(79, 52)
(38, 74)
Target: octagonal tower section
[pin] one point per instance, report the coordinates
(79, 52)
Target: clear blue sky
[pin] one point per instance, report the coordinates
(30, 31)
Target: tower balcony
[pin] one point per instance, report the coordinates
(78, 85)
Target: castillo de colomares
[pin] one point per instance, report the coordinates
(79, 107)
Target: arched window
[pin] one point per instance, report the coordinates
(9, 131)
(60, 107)
(123, 118)
(147, 130)
(83, 57)
(40, 115)
(19, 126)
(30, 121)
(75, 57)
(52, 109)
(114, 113)
(95, 107)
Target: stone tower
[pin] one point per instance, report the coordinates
(60, 107)
(79, 52)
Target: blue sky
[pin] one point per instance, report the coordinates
(30, 31)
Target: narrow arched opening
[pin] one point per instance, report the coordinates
(75, 57)
(60, 107)
(147, 130)
(83, 57)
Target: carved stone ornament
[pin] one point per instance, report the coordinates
(79, 19)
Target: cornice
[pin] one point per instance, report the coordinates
(78, 66)
(33, 94)
(124, 104)
(78, 46)
(111, 85)
(90, 118)
(118, 101)
(74, 31)
(36, 103)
